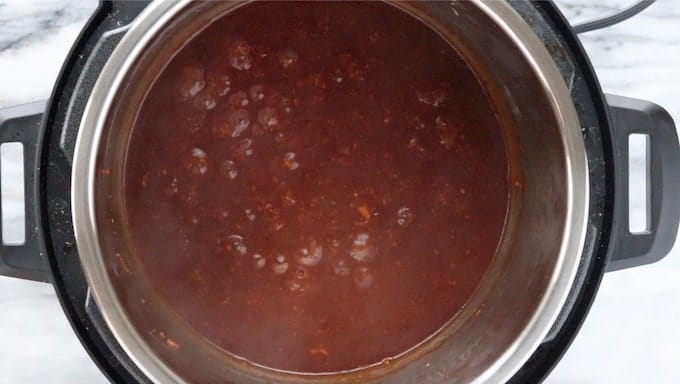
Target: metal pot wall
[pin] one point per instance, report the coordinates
(569, 219)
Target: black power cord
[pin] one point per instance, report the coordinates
(613, 19)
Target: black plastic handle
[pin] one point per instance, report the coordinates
(22, 124)
(630, 116)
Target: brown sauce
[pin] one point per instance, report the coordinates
(316, 187)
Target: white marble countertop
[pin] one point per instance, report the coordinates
(632, 334)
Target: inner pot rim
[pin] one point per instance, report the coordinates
(154, 19)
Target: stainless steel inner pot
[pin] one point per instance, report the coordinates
(520, 297)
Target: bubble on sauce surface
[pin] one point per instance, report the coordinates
(405, 216)
(415, 145)
(431, 97)
(446, 137)
(286, 104)
(205, 102)
(238, 121)
(169, 343)
(249, 214)
(259, 261)
(199, 164)
(290, 162)
(198, 153)
(301, 272)
(256, 92)
(441, 124)
(228, 168)
(245, 147)
(172, 188)
(416, 123)
(364, 254)
(236, 245)
(294, 286)
(195, 88)
(268, 116)
(361, 240)
(363, 278)
(276, 226)
(237, 100)
(341, 268)
(287, 57)
(361, 250)
(280, 265)
(240, 55)
(310, 256)
(225, 83)
(279, 137)
(191, 81)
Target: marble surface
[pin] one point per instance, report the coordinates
(632, 333)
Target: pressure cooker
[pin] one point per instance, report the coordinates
(570, 224)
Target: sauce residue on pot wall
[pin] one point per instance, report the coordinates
(316, 187)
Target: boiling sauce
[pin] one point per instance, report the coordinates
(316, 187)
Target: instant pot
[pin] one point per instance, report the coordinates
(572, 225)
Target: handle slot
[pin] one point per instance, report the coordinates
(12, 192)
(639, 207)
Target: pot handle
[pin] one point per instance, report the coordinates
(23, 124)
(631, 116)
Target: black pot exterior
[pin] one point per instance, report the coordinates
(56, 240)
(591, 107)
(61, 122)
